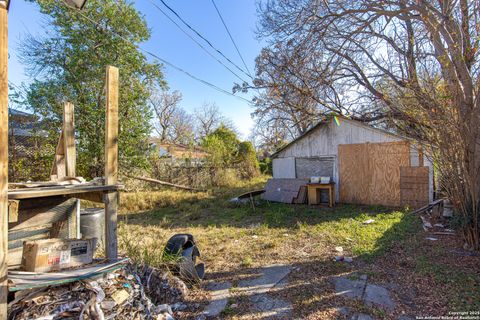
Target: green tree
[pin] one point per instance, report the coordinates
(222, 144)
(247, 160)
(69, 64)
(226, 150)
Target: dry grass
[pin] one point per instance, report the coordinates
(234, 241)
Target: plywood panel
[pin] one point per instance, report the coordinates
(353, 168)
(283, 190)
(414, 186)
(370, 172)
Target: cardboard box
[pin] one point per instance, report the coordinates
(56, 254)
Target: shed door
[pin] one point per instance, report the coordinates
(284, 168)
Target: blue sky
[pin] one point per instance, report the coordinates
(171, 44)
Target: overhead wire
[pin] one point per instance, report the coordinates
(158, 58)
(196, 42)
(231, 38)
(204, 39)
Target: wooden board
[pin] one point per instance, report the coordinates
(69, 139)
(35, 212)
(58, 169)
(414, 186)
(111, 161)
(3, 158)
(370, 172)
(26, 193)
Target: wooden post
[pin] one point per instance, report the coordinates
(111, 161)
(420, 157)
(3, 158)
(69, 139)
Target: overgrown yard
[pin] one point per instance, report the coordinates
(424, 277)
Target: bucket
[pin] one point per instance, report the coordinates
(92, 224)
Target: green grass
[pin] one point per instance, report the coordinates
(250, 236)
(233, 237)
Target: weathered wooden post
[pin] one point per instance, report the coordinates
(3, 157)
(111, 162)
(69, 139)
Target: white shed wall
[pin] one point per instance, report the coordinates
(324, 140)
(284, 168)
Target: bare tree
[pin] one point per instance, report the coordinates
(182, 128)
(414, 62)
(166, 106)
(208, 118)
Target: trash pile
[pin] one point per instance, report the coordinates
(131, 292)
(435, 219)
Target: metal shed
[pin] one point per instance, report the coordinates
(363, 159)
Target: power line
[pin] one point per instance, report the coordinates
(194, 40)
(231, 38)
(159, 58)
(203, 38)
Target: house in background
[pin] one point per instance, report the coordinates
(368, 165)
(21, 124)
(175, 151)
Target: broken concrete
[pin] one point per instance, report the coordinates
(270, 276)
(220, 292)
(349, 288)
(377, 295)
(271, 307)
(361, 316)
(370, 294)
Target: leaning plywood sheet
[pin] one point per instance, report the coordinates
(283, 190)
(414, 186)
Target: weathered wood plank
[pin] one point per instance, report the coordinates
(49, 213)
(69, 139)
(414, 186)
(58, 169)
(111, 161)
(59, 190)
(3, 158)
(91, 196)
(13, 210)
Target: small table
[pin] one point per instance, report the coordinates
(313, 190)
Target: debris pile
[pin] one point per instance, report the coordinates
(131, 292)
(434, 221)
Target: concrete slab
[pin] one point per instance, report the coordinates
(274, 276)
(269, 277)
(380, 296)
(270, 307)
(361, 316)
(220, 292)
(349, 288)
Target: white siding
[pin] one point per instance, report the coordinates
(284, 168)
(324, 140)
